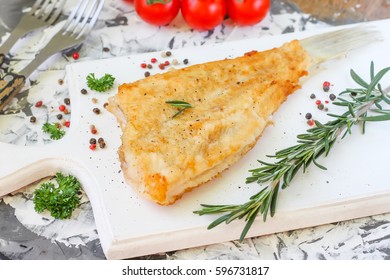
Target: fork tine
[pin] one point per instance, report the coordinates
(36, 5)
(52, 17)
(88, 27)
(42, 10)
(85, 18)
(71, 16)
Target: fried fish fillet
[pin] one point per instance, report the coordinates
(232, 101)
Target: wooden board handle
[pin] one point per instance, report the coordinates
(10, 85)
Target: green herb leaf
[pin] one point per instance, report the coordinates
(53, 129)
(60, 199)
(182, 105)
(100, 84)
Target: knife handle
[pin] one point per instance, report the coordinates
(10, 85)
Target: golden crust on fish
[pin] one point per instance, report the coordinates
(232, 100)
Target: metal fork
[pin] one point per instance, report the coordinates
(78, 25)
(42, 13)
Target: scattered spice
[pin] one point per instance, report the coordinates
(153, 60)
(92, 147)
(105, 104)
(185, 61)
(164, 54)
(67, 101)
(62, 108)
(94, 100)
(143, 65)
(67, 123)
(96, 111)
(150, 66)
(320, 106)
(326, 86)
(308, 116)
(93, 129)
(59, 116)
(166, 63)
(60, 81)
(175, 62)
(102, 143)
(332, 96)
(168, 53)
(76, 55)
(312, 96)
(318, 102)
(105, 49)
(33, 119)
(92, 141)
(84, 91)
(326, 101)
(147, 74)
(310, 122)
(66, 111)
(161, 66)
(39, 104)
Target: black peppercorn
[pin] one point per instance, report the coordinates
(168, 53)
(92, 141)
(185, 61)
(84, 91)
(147, 74)
(308, 116)
(33, 119)
(67, 101)
(59, 116)
(332, 96)
(96, 111)
(312, 96)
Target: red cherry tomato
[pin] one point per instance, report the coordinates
(157, 12)
(247, 12)
(203, 14)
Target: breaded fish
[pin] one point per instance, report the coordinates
(232, 100)
(231, 103)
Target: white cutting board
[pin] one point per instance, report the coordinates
(356, 183)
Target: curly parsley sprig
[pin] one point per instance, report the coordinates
(53, 129)
(311, 145)
(100, 84)
(61, 199)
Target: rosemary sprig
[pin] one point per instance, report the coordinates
(182, 105)
(316, 142)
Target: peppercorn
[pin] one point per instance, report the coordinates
(163, 54)
(150, 66)
(318, 102)
(153, 60)
(84, 91)
(105, 104)
(92, 141)
(168, 53)
(147, 74)
(62, 108)
(185, 61)
(161, 66)
(59, 116)
(75, 55)
(175, 62)
(102, 145)
(308, 116)
(143, 65)
(33, 119)
(38, 104)
(312, 96)
(92, 146)
(67, 123)
(320, 106)
(332, 96)
(326, 86)
(67, 101)
(100, 140)
(353, 93)
(105, 49)
(96, 111)
(60, 81)
(166, 63)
